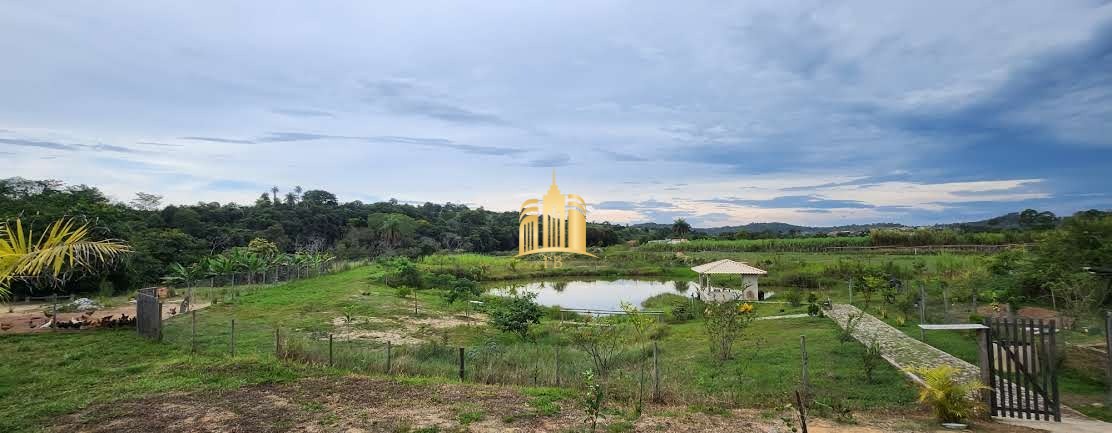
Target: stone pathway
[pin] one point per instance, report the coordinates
(903, 351)
(786, 316)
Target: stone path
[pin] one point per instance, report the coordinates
(903, 351)
(786, 316)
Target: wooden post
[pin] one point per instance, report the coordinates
(54, 311)
(278, 343)
(922, 311)
(330, 350)
(803, 358)
(388, 356)
(656, 373)
(461, 364)
(158, 321)
(802, 412)
(851, 292)
(984, 344)
(946, 301)
(193, 332)
(1108, 353)
(1052, 360)
(233, 338)
(556, 370)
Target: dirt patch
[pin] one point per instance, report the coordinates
(398, 330)
(28, 318)
(359, 404)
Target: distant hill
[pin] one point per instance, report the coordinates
(775, 227)
(1016, 220)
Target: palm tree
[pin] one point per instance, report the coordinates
(680, 227)
(274, 192)
(62, 248)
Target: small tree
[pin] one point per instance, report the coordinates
(516, 313)
(592, 399)
(600, 339)
(724, 323)
(871, 358)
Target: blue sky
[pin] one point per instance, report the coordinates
(804, 112)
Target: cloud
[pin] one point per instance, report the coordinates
(557, 160)
(40, 144)
(622, 157)
(236, 185)
(301, 112)
(52, 145)
(795, 201)
(408, 98)
(155, 143)
(218, 140)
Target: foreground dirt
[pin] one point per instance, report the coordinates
(359, 404)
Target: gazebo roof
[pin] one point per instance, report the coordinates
(727, 266)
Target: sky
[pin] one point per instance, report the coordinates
(723, 113)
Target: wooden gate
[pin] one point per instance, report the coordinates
(1022, 359)
(148, 314)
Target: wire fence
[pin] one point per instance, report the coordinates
(493, 362)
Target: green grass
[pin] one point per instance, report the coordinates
(761, 245)
(43, 376)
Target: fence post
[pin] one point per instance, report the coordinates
(983, 347)
(330, 350)
(158, 321)
(233, 338)
(922, 311)
(946, 301)
(388, 356)
(803, 360)
(278, 343)
(461, 364)
(54, 311)
(556, 370)
(656, 372)
(193, 332)
(851, 292)
(1108, 353)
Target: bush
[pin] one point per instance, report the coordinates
(870, 359)
(724, 323)
(462, 289)
(516, 313)
(794, 297)
(951, 399)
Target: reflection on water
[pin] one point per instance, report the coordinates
(597, 295)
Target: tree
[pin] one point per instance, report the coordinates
(724, 323)
(63, 248)
(516, 314)
(274, 192)
(680, 228)
(146, 202)
(600, 339)
(318, 197)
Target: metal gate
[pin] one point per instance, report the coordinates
(1022, 359)
(148, 314)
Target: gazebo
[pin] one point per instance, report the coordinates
(748, 274)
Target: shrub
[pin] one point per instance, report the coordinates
(871, 358)
(724, 323)
(845, 334)
(462, 289)
(794, 297)
(600, 339)
(516, 313)
(951, 399)
(592, 401)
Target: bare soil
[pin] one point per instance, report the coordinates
(360, 404)
(398, 330)
(28, 318)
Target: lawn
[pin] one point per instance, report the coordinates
(360, 314)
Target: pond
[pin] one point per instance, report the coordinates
(598, 294)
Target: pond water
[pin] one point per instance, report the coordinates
(599, 294)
